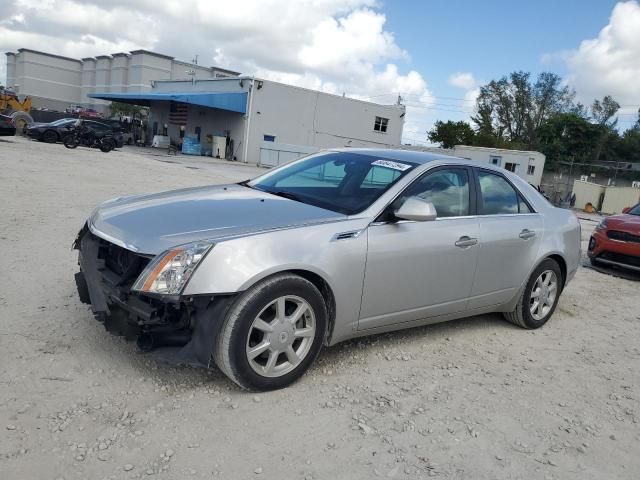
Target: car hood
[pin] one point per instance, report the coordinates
(153, 223)
(624, 222)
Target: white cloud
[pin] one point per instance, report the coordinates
(332, 45)
(463, 80)
(610, 63)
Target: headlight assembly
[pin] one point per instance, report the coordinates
(602, 225)
(169, 272)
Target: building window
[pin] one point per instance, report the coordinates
(381, 124)
(510, 166)
(531, 169)
(495, 160)
(269, 138)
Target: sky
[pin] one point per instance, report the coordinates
(434, 53)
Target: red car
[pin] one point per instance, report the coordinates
(616, 240)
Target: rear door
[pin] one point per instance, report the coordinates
(509, 240)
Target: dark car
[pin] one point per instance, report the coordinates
(616, 240)
(7, 128)
(55, 131)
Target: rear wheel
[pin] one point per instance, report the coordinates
(272, 333)
(49, 136)
(539, 297)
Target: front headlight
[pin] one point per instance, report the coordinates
(169, 272)
(602, 225)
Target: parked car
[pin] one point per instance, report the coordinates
(616, 240)
(7, 128)
(258, 276)
(55, 131)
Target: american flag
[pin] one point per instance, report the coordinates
(178, 113)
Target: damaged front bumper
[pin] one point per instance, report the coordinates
(181, 328)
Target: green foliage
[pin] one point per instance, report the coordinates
(449, 134)
(125, 109)
(514, 108)
(517, 112)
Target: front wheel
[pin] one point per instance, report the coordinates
(272, 333)
(71, 141)
(539, 297)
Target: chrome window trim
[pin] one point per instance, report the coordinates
(442, 219)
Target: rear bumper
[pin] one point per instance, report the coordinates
(614, 252)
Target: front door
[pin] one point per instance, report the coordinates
(417, 270)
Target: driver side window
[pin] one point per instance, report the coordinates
(447, 189)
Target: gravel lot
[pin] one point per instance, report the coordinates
(477, 398)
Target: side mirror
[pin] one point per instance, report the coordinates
(417, 210)
(626, 209)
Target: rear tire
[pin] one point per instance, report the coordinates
(539, 298)
(272, 333)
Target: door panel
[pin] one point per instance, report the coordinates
(415, 270)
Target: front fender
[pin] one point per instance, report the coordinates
(235, 265)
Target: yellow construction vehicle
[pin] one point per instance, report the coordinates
(18, 110)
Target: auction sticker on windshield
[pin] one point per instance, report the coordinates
(389, 164)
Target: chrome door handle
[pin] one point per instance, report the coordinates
(526, 234)
(465, 241)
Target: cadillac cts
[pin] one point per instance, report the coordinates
(256, 277)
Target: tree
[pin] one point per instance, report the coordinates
(567, 137)
(449, 134)
(604, 111)
(127, 110)
(603, 114)
(513, 108)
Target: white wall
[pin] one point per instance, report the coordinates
(303, 117)
(522, 159)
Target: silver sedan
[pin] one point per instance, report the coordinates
(256, 277)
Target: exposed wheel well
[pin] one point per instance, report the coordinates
(563, 266)
(327, 294)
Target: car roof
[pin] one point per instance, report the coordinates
(400, 155)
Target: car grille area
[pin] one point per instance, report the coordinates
(623, 236)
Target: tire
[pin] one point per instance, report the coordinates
(49, 136)
(525, 315)
(21, 120)
(71, 141)
(106, 145)
(242, 332)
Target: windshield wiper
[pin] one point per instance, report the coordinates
(285, 194)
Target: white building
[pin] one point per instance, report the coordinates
(252, 116)
(526, 164)
(55, 82)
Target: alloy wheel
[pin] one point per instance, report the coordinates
(281, 336)
(543, 294)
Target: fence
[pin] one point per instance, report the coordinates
(273, 154)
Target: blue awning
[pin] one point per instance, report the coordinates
(231, 101)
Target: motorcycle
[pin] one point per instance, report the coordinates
(81, 135)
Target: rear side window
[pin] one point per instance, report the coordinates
(498, 196)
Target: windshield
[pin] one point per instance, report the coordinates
(635, 210)
(343, 182)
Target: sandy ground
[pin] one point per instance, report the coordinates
(471, 399)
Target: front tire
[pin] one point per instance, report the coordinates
(49, 136)
(71, 141)
(539, 298)
(272, 333)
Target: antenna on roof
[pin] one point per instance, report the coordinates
(195, 60)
